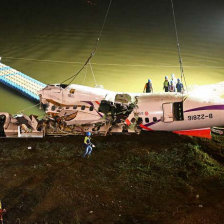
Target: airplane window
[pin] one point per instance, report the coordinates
(91, 108)
(154, 119)
(139, 120)
(53, 108)
(133, 120)
(147, 120)
(45, 106)
(67, 107)
(83, 107)
(75, 107)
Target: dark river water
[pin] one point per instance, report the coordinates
(50, 40)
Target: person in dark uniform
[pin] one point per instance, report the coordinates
(179, 86)
(148, 87)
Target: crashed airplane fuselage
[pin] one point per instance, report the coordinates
(76, 109)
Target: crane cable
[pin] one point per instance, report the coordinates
(94, 78)
(178, 47)
(94, 50)
(26, 108)
(114, 64)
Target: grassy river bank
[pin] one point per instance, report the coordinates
(150, 178)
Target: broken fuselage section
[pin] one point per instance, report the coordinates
(76, 109)
(20, 126)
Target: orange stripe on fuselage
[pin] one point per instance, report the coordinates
(202, 133)
(144, 127)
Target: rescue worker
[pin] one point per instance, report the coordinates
(172, 87)
(88, 145)
(179, 86)
(173, 78)
(166, 84)
(148, 87)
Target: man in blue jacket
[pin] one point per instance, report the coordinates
(179, 86)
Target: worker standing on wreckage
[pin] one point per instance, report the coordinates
(148, 87)
(88, 145)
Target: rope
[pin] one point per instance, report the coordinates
(101, 31)
(74, 76)
(94, 78)
(94, 50)
(39, 60)
(178, 46)
(27, 108)
(111, 64)
(84, 80)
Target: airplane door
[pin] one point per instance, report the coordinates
(168, 112)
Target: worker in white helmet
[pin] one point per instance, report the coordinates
(173, 79)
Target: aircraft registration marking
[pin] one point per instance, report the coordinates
(200, 117)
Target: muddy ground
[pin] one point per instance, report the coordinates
(148, 179)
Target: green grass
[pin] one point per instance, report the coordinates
(140, 179)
